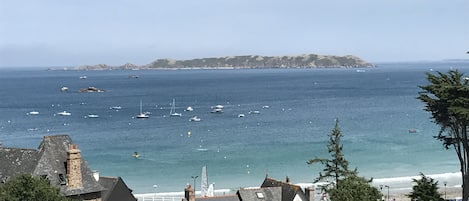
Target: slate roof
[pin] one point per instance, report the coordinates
(117, 190)
(261, 194)
(289, 191)
(49, 161)
(15, 161)
(219, 198)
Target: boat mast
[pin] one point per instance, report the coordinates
(204, 182)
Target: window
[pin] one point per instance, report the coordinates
(260, 195)
(62, 179)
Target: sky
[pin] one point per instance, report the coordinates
(51, 33)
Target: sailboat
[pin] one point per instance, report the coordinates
(173, 112)
(204, 182)
(142, 115)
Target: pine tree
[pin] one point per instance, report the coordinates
(337, 166)
(447, 98)
(348, 185)
(425, 189)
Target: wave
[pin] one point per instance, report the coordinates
(452, 179)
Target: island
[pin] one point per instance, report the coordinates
(248, 61)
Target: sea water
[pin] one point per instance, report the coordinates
(376, 108)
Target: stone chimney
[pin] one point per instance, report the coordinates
(74, 177)
(287, 180)
(189, 193)
(309, 191)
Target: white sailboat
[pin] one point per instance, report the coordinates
(204, 182)
(172, 112)
(142, 115)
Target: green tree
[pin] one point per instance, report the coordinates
(337, 166)
(348, 185)
(425, 189)
(447, 98)
(354, 188)
(25, 187)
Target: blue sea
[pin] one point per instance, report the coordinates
(376, 108)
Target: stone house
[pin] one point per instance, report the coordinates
(58, 160)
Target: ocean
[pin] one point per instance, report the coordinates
(295, 110)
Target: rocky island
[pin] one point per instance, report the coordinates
(249, 61)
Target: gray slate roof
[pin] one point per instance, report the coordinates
(289, 191)
(117, 190)
(218, 198)
(261, 194)
(49, 161)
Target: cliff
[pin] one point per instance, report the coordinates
(249, 61)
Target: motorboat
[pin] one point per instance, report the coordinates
(92, 116)
(254, 112)
(189, 109)
(33, 113)
(115, 108)
(195, 119)
(217, 109)
(240, 115)
(64, 113)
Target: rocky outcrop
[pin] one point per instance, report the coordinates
(255, 61)
(248, 61)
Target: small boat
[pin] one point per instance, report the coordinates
(265, 107)
(172, 112)
(92, 116)
(64, 113)
(64, 89)
(142, 115)
(217, 109)
(195, 119)
(136, 155)
(189, 109)
(413, 130)
(83, 77)
(240, 115)
(33, 113)
(254, 112)
(115, 108)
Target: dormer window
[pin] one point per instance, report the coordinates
(62, 179)
(260, 195)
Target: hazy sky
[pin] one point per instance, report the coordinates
(78, 32)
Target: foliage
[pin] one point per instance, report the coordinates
(447, 98)
(337, 167)
(354, 188)
(25, 187)
(425, 189)
(348, 185)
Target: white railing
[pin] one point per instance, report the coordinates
(173, 196)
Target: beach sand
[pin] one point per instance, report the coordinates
(451, 193)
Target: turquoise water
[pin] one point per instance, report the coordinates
(376, 108)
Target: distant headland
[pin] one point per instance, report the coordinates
(240, 62)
